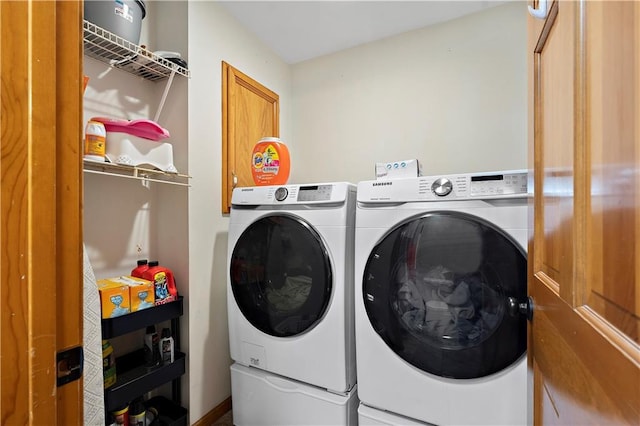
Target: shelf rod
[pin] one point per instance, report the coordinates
(164, 94)
(136, 177)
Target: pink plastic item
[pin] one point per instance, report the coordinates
(142, 128)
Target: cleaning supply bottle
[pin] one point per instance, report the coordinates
(137, 413)
(95, 141)
(164, 284)
(270, 162)
(121, 415)
(166, 346)
(143, 265)
(151, 347)
(108, 364)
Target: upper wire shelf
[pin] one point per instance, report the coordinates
(120, 53)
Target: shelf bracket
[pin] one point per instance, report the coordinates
(164, 95)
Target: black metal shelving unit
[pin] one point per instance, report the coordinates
(133, 378)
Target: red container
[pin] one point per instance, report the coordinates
(164, 284)
(143, 265)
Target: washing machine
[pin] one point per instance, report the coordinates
(441, 298)
(290, 290)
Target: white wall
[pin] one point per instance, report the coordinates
(215, 36)
(451, 95)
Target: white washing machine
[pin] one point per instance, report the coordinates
(290, 291)
(441, 298)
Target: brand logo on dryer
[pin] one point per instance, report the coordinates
(246, 189)
(385, 183)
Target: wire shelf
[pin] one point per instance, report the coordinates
(120, 53)
(134, 172)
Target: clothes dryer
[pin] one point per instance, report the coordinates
(441, 270)
(290, 282)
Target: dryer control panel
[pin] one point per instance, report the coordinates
(321, 193)
(506, 184)
(497, 184)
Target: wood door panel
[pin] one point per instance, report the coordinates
(250, 111)
(554, 239)
(590, 387)
(584, 278)
(613, 67)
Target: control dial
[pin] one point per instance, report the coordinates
(281, 193)
(442, 187)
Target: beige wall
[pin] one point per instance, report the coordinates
(215, 36)
(451, 95)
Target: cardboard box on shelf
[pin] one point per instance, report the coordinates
(141, 292)
(114, 298)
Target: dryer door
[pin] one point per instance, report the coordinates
(436, 289)
(281, 275)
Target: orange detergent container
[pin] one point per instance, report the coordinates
(270, 162)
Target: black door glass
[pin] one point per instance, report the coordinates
(281, 276)
(436, 290)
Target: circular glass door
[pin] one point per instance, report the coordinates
(436, 289)
(281, 275)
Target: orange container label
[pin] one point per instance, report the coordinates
(270, 163)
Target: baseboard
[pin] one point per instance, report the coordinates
(213, 415)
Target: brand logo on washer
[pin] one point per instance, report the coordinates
(382, 183)
(246, 190)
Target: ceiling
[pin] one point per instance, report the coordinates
(300, 30)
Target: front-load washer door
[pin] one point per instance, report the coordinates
(281, 275)
(437, 290)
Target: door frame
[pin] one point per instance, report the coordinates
(40, 208)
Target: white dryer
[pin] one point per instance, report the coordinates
(441, 272)
(290, 284)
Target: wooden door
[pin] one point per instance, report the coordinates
(250, 112)
(40, 209)
(584, 252)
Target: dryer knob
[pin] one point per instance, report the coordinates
(281, 194)
(442, 187)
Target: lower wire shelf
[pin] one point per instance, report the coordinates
(133, 378)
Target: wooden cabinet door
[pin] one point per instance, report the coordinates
(250, 112)
(40, 209)
(584, 252)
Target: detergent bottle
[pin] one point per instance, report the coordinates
(143, 265)
(270, 162)
(163, 282)
(95, 141)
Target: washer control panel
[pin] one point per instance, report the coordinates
(315, 193)
(311, 194)
(507, 184)
(497, 184)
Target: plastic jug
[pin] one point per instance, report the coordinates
(163, 282)
(95, 141)
(270, 162)
(143, 265)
